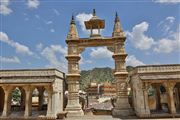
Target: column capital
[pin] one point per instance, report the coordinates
(7, 88)
(48, 88)
(169, 85)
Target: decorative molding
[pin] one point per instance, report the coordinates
(158, 68)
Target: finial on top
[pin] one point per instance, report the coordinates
(94, 12)
(117, 17)
(72, 20)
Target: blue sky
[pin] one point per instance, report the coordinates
(33, 32)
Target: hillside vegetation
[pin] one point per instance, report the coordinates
(98, 75)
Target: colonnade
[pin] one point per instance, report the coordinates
(172, 90)
(26, 99)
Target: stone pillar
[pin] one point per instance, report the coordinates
(7, 100)
(28, 102)
(177, 98)
(122, 106)
(146, 102)
(41, 96)
(158, 98)
(23, 97)
(170, 87)
(73, 107)
(49, 106)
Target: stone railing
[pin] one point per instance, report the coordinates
(158, 68)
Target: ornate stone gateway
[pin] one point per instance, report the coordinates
(115, 44)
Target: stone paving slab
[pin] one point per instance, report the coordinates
(106, 117)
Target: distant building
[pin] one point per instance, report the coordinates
(105, 89)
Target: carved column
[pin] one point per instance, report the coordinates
(122, 107)
(146, 103)
(158, 98)
(28, 103)
(49, 106)
(7, 100)
(177, 98)
(73, 107)
(169, 87)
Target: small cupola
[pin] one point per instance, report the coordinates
(94, 25)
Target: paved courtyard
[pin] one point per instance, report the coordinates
(108, 117)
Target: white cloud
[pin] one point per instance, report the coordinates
(81, 17)
(101, 53)
(9, 59)
(39, 46)
(169, 44)
(133, 61)
(49, 22)
(22, 49)
(138, 38)
(83, 61)
(52, 30)
(166, 25)
(4, 9)
(55, 54)
(33, 4)
(167, 1)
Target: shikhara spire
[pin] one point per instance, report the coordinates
(117, 31)
(73, 34)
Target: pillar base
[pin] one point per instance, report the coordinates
(122, 108)
(74, 111)
(116, 112)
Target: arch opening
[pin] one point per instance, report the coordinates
(17, 101)
(158, 99)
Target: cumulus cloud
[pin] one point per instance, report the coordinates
(166, 25)
(83, 61)
(81, 17)
(101, 53)
(51, 53)
(22, 49)
(138, 37)
(33, 4)
(9, 59)
(4, 7)
(39, 46)
(133, 61)
(167, 1)
(169, 44)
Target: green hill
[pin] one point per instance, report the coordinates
(98, 75)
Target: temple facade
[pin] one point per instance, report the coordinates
(45, 81)
(156, 90)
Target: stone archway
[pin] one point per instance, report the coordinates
(115, 44)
